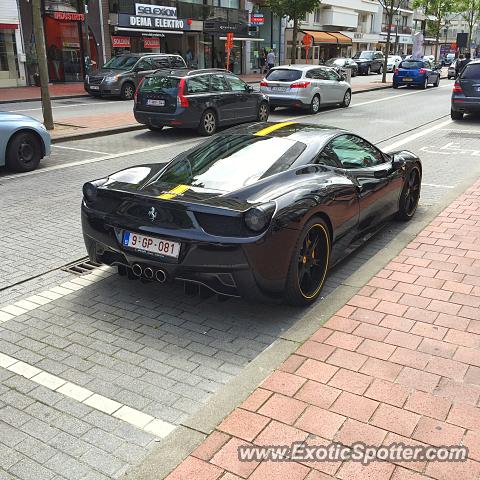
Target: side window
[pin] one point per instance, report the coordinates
(144, 64)
(332, 75)
(218, 84)
(160, 62)
(328, 157)
(177, 62)
(378, 55)
(200, 84)
(236, 84)
(319, 74)
(354, 152)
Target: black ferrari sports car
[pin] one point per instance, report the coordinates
(262, 210)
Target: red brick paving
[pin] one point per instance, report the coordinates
(399, 363)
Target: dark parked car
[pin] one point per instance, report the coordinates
(262, 210)
(121, 75)
(201, 99)
(369, 61)
(419, 73)
(343, 64)
(466, 91)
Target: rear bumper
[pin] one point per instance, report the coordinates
(466, 104)
(232, 269)
(288, 100)
(416, 81)
(182, 117)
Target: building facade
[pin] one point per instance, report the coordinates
(12, 54)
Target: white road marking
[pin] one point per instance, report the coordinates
(79, 149)
(437, 186)
(110, 156)
(414, 136)
(54, 107)
(129, 415)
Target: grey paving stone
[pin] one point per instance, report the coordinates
(67, 466)
(133, 434)
(70, 424)
(73, 407)
(103, 440)
(211, 374)
(102, 420)
(45, 395)
(5, 476)
(100, 460)
(27, 469)
(42, 412)
(13, 416)
(131, 453)
(8, 457)
(16, 399)
(69, 444)
(36, 450)
(40, 430)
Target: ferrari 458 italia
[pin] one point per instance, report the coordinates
(263, 210)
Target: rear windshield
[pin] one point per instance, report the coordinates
(412, 64)
(123, 62)
(284, 75)
(471, 72)
(159, 84)
(230, 162)
(366, 55)
(335, 62)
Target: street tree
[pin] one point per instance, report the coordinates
(469, 10)
(440, 9)
(42, 64)
(294, 10)
(390, 8)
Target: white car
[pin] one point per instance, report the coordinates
(429, 58)
(393, 61)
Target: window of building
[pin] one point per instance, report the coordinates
(317, 15)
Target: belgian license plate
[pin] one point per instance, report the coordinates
(478, 89)
(94, 87)
(150, 244)
(156, 103)
(408, 79)
(279, 89)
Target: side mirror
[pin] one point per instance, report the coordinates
(250, 89)
(398, 161)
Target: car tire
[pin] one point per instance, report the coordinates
(354, 73)
(425, 84)
(380, 70)
(454, 115)
(208, 123)
(347, 98)
(24, 152)
(309, 264)
(155, 128)
(128, 91)
(315, 105)
(263, 112)
(410, 195)
(395, 85)
(368, 71)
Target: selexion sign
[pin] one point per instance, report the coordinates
(146, 10)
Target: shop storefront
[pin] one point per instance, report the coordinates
(157, 29)
(12, 57)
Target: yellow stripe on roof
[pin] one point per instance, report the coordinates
(178, 190)
(272, 128)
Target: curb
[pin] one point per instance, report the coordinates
(38, 99)
(97, 133)
(190, 433)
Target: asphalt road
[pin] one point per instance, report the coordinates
(147, 347)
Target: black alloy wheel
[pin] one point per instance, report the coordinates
(309, 264)
(410, 195)
(24, 152)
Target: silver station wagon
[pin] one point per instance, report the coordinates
(306, 86)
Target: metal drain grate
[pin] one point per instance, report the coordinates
(81, 267)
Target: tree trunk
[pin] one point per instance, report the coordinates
(88, 54)
(42, 64)
(294, 41)
(437, 41)
(387, 47)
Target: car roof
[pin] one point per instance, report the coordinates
(139, 55)
(302, 132)
(297, 66)
(187, 72)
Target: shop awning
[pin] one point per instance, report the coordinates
(343, 39)
(332, 38)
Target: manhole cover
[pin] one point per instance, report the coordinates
(81, 267)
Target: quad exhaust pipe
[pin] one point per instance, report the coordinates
(159, 275)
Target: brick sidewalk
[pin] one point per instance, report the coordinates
(399, 363)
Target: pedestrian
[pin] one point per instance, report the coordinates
(271, 59)
(461, 64)
(458, 62)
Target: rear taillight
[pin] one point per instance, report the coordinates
(457, 88)
(181, 98)
(300, 85)
(396, 71)
(422, 71)
(264, 84)
(136, 91)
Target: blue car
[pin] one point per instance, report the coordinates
(419, 73)
(24, 141)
